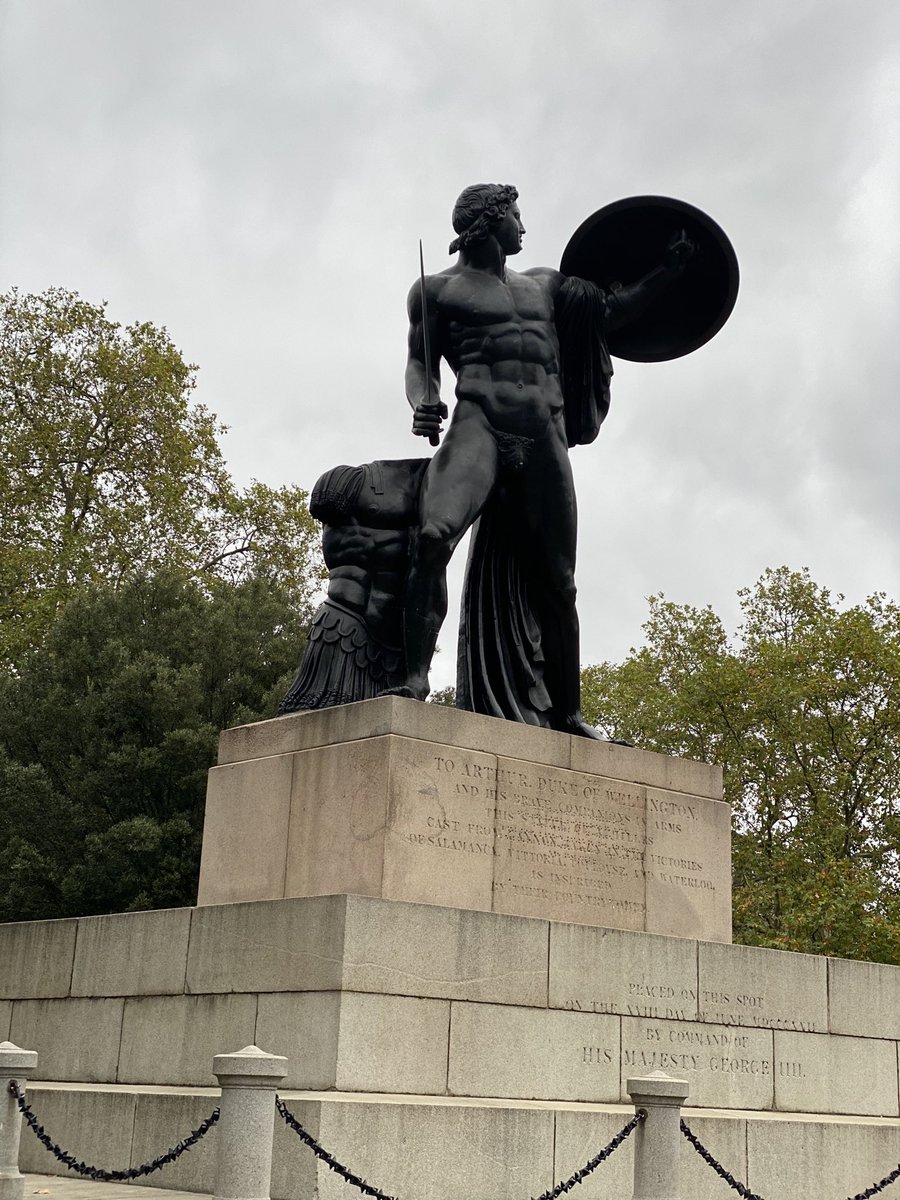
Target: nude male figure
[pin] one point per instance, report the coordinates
(496, 328)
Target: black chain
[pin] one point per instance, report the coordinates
(595, 1162)
(745, 1191)
(97, 1172)
(291, 1121)
(329, 1159)
(740, 1188)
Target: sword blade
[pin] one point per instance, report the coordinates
(426, 337)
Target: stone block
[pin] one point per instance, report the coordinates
(95, 1125)
(568, 846)
(172, 1039)
(5, 1018)
(725, 1067)
(339, 805)
(132, 954)
(439, 838)
(726, 1137)
(403, 718)
(617, 971)
(289, 945)
(768, 989)
(688, 866)
(645, 767)
(76, 1039)
(438, 1151)
(293, 1166)
(449, 953)
(36, 959)
(245, 831)
(358, 1043)
(813, 1158)
(162, 1121)
(822, 1073)
(864, 998)
(526, 1053)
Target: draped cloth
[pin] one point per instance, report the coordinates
(500, 662)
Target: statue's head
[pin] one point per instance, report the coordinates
(479, 209)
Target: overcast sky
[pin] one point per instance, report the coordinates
(255, 177)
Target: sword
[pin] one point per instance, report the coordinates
(433, 438)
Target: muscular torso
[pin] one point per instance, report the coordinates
(499, 337)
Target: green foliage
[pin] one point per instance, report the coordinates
(107, 732)
(108, 471)
(445, 696)
(801, 710)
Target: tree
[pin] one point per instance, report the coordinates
(107, 732)
(108, 471)
(801, 710)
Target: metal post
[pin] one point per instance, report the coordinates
(657, 1148)
(15, 1064)
(249, 1080)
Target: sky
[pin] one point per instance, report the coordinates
(255, 177)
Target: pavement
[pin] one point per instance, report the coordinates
(70, 1187)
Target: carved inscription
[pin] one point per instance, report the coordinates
(658, 1000)
(747, 1009)
(574, 841)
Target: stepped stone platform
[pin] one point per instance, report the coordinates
(445, 1048)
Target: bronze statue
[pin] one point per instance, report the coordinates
(532, 378)
(531, 354)
(355, 647)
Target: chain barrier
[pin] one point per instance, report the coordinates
(98, 1173)
(366, 1188)
(740, 1188)
(744, 1191)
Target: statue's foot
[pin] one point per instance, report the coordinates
(578, 727)
(407, 691)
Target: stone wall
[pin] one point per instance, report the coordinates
(366, 995)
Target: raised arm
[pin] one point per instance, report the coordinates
(427, 416)
(629, 302)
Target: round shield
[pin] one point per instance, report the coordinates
(624, 241)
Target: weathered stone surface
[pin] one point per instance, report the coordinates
(172, 1039)
(430, 805)
(725, 1067)
(811, 1158)
(162, 1121)
(393, 715)
(339, 806)
(440, 835)
(688, 866)
(36, 959)
(267, 946)
(864, 998)
(526, 1053)
(822, 1073)
(245, 831)
(293, 1167)
(768, 989)
(75, 1039)
(5, 1017)
(439, 1152)
(617, 971)
(645, 767)
(131, 954)
(450, 953)
(358, 1043)
(569, 846)
(306, 1029)
(98, 1125)
(727, 1138)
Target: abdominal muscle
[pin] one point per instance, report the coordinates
(516, 397)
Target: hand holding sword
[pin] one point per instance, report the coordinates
(428, 415)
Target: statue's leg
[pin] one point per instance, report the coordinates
(550, 529)
(456, 487)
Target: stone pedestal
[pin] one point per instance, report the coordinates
(407, 801)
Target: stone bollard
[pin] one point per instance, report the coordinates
(15, 1064)
(249, 1080)
(657, 1148)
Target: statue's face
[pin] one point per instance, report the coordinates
(510, 231)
